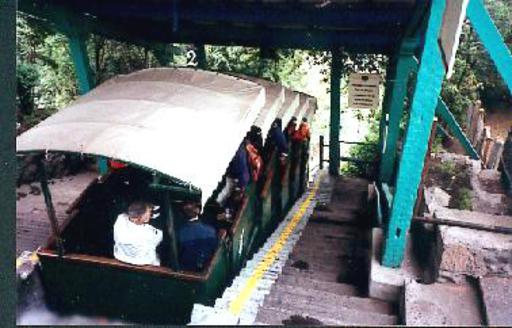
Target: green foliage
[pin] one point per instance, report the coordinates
(475, 76)
(367, 152)
(448, 168)
(283, 66)
(463, 199)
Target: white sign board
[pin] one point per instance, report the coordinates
(453, 18)
(363, 90)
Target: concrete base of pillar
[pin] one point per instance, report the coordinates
(387, 283)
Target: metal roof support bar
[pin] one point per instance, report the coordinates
(49, 204)
(491, 39)
(444, 113)
(406, 63)
(334, 128)
(428, 87)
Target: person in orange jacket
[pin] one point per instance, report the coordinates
(302, 133)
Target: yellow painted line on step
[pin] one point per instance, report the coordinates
(236, 306)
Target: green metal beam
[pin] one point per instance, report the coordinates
(78, 51)
(334, 128)
(428, 87)
(444, 113)
(201, 56)
(406, 64)
(491, 39)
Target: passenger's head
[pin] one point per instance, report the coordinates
(191, 209)
(304, 119)
(139, 212)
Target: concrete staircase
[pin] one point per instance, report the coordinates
(324, 280)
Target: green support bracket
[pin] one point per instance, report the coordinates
(444, 113)
(426, 94)
(491, 39)
(334, 128)
(78, 50)
(406, 63)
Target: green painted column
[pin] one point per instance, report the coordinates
(383, 124)
(491, 39)
(405, 65)
(428, 87)
(334, 127)
(201, 56)
(78, 50)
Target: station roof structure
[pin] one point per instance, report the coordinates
(362, 26)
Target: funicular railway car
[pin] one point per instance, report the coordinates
(175, 131)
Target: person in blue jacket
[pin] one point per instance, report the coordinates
(197, 240)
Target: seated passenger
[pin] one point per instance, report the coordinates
(255, 160)
(256, 138)
(237, 175)
(197, 241)
(290, 128)
(278, 138)
(135, 240)
(302, 133)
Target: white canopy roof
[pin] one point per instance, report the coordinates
(184, 123)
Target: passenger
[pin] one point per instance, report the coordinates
(290, 128)
(237, 175)
(227, 215)
(256, 138)
(197, 240)
(255, 160)
(302, 133)
(279, 139)
(135, 240)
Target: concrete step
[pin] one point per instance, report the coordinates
(441, 304)
(298, 294)
(333, 287)
(348, 274)
(278, 317)
(328, 254)
(345, 230)
(272, 314)
(497, 298)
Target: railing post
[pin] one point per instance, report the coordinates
(334, 126)
(321, 152)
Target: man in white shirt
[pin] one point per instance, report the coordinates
(135, 240)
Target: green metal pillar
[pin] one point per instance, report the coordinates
(428, 87)
(334, 128)
(406, 63)
(491, 39)
(78, 50)
(8, 172)
(201, 56)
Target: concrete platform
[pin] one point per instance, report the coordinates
(387, 283)
(497, 299)
(441, 304)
